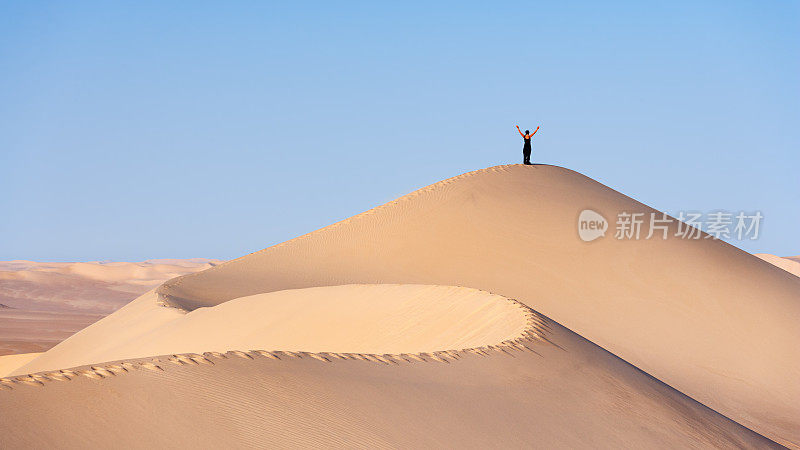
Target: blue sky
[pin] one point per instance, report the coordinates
(187, 129)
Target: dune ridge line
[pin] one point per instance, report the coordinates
(537, 327)
(165, 298)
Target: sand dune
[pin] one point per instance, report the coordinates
(357, 318)
(713, 322)
(10, 363)
(48, 302)
(790, 264)
(89, 287)
(705, 317)
(551, 389)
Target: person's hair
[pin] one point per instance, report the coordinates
(527, 131)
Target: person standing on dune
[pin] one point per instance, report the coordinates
(526, 149)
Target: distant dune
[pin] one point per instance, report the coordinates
(468, 313)
(790, 264)
(48, 302)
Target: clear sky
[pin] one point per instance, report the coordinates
(143, 130)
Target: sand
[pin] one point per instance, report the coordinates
(47, 302)
(715, 323)
(89, 287)
(556, 390)
(790, 264)
(23, 331)
(356, 318)
(10, 363)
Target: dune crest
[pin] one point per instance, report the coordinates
(377, 319)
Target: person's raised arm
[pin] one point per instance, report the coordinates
(520, 131)
(534, 131)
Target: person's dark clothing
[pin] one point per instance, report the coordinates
(526, 151)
